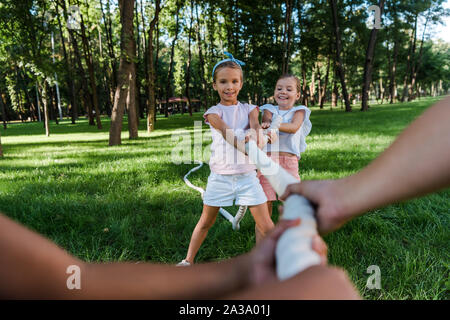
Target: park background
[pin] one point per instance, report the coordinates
(94, 96)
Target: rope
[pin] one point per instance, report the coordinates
(233, 220)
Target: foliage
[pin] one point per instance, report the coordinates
(253, 30)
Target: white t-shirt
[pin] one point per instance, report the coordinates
(290, 142)
(225, 158)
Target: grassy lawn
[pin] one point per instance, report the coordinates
(130, 202)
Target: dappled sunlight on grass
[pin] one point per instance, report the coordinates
(130, 202)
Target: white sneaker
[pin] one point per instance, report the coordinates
(184, 263)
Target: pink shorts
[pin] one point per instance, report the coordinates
(290, 163)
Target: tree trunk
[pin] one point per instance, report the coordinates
(112, 73)
(368, 66)
(334, 94)
(339, 64)
(133, 118)
(312, 87)
(151, 104)
(84, 85)
(52, 107)
(319, 84)
(202, 61)
(3, 109)
(408, 63)
(287, 37)
(416, 64)
(69, 80)
(145, 53)
(212, 47)
(131, 101)
(188, 71)
(90, 64)
(334, 91)
(324, 87)
(123, 75)
(159, 86)
(30, 102)
(413, 59)
(169, 77)
(137, 67)
(305, 98)
(44, 103)
(393, 73)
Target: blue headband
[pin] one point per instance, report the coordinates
(230, 58)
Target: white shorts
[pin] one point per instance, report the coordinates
(223, 189)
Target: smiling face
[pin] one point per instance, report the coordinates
(228, 83)
(286, 93)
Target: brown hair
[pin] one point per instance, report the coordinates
(298, 84)
(227, 64)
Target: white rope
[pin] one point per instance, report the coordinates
(233, 220)
(293, 251)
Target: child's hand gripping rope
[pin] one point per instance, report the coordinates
(293, 253)
(269, 135)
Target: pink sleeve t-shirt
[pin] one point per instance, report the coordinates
(225, 158)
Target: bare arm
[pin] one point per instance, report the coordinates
(254, 125)
(34, 268)
(295, 123)
(227, 133)
(266, 119)
(417, 163)
(291, 127)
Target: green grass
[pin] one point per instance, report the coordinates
(129, 202)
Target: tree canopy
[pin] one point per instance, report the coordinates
(187, 37)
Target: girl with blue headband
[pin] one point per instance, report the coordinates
(233, 178)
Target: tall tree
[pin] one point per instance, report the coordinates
(126, 8)
(339, 64)
(45, 104)
(411, 51)
(3, 110)
(90, 64)
(368, 66)
(69, 79)
(323, 91)
(201, 70)
(393, 72)
(151, 104)
(87, 101)
(287, 36)
(112, 69)
(137, 65)
(133, 117)
(131, 98)
(172, 51)
(188, 67)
